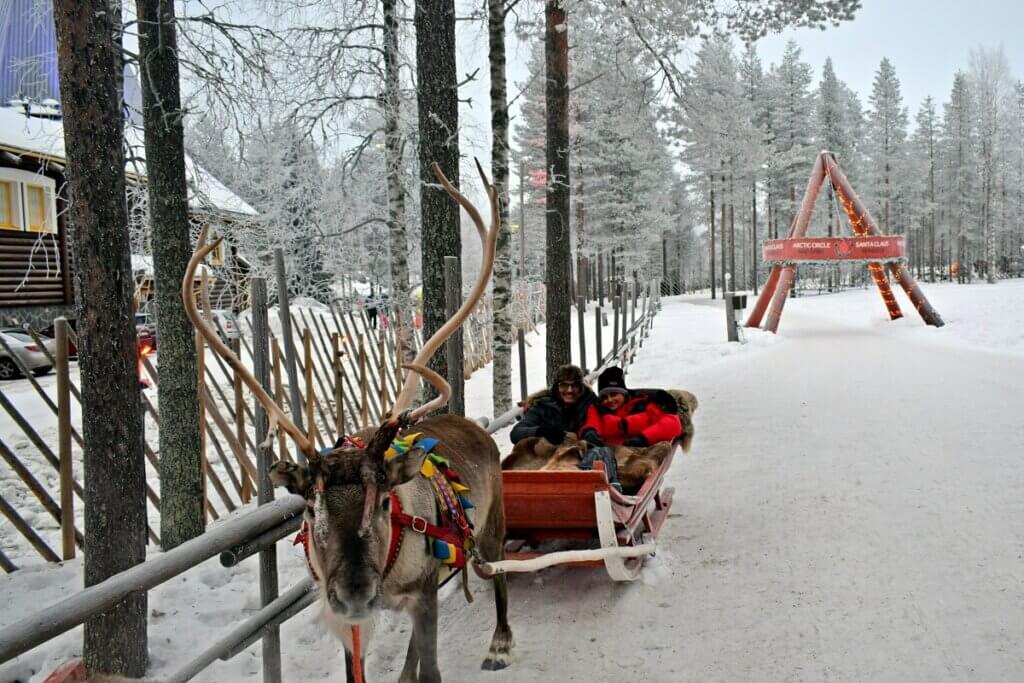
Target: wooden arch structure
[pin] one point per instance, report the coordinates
(868, 245)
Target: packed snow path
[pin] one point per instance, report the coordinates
(852, 509)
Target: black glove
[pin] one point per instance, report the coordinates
(552, 433)
(636, 441)
(591, 437)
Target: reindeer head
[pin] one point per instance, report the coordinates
(347, 512)
(346, 489)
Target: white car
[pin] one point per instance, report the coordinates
(226, 324)
(24, 347)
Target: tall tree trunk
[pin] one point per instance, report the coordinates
(181, 468)
(711, 223)
(115, 476)
(502, 319)
(753, 235)
(397, 237)
(558, 300)
(732, 235)
(724, 232)
(437, 97)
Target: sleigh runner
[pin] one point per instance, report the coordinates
(581, 506)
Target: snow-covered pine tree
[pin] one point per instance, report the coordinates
(715, 121)
(924, 148)
(792, 147)
(990, 79)
(958, 145)
(752, 83)
(886, 136)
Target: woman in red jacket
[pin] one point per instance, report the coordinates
(630, 418)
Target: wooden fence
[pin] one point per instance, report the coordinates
(346, 373)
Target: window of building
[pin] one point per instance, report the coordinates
(27, 201)
(40, 213)
(9, 218)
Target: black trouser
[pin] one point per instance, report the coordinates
(605, 454)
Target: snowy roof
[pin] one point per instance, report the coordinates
(44, 138)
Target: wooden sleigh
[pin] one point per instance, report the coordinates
(580, 506)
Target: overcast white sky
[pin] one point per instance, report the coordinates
(926, 40)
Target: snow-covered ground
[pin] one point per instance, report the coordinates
(852, 509)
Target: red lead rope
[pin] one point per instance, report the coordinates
(357, 657)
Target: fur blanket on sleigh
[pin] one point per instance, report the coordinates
(634, 464)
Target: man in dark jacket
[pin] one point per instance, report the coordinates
(564, 410)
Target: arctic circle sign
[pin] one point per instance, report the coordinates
(863, 248)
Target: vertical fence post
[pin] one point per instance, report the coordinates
(282, 443)
(364, 390)
(581, 304)
(452, 301)
(339, 406)
(289, 345)
(600, 279)
(522, 363)
(240, 419)
(615, 323)
(201, 385)
(307, 366)
(67, 499)
(382, 366)
(264, 491)
(597, 335)
(623, 310)
(632, 310)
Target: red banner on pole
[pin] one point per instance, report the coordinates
(864, 248)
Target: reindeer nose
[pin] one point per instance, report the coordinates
(355, 601)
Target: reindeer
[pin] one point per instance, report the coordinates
(347, 492)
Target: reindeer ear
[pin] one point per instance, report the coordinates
(291, 476)
(404, 467)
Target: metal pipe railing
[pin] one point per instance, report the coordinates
(293, 601)
(62, 616)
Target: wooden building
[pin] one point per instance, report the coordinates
(36, 254)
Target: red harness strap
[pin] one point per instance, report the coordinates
(303, 538)
(401, 520)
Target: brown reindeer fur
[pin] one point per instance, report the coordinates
(687, 407)
(635, 464)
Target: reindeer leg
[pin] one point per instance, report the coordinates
(492, 547)
(412, 660)
(424, 626)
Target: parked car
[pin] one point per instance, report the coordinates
(226, 324)
(24, 347)
(51, 332)
(145, 327)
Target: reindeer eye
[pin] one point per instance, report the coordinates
(386, 503)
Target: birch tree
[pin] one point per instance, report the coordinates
(502, 289)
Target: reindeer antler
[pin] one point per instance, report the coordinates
(488, 239)
(276, 416)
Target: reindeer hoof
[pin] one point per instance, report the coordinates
(495, 662)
